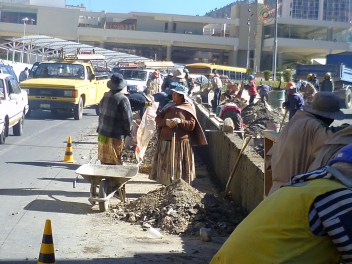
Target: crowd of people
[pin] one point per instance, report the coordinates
(311, 164)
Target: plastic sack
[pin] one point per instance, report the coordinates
(146, 130)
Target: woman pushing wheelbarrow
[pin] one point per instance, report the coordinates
(178, 130)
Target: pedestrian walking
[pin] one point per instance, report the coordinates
(24, 75)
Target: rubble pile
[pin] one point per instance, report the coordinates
(258, 117)
(181, 209)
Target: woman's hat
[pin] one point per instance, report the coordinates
(178, 73)
(179, 88)
(325, 104)
(117, 82)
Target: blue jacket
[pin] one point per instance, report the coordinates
(294, 103)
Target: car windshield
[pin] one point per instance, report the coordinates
(59, 70)
(137, 75)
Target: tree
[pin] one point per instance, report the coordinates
(267, 75)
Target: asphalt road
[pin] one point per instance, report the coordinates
(36, 185)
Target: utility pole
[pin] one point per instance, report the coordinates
(275, 42)
(25, 20)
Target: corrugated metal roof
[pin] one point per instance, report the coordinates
(48, 47)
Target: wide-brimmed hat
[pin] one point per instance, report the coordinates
(179, 88)
(325, 104)
(117, 82)
(178, 73)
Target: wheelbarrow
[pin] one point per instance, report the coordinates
(107, 179)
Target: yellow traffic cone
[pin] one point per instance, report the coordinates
(47, 254)
(68, 153)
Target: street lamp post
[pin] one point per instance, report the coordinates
(25, 20)
(249, 34)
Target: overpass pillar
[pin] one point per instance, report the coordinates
(168, 52)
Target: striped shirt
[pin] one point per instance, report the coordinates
(331, 213)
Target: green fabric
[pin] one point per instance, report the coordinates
(102, 139)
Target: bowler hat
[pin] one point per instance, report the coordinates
(325, 104)
(117, 82)
(179, 88)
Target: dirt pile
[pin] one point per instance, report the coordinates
(258, 117)
(181, 209)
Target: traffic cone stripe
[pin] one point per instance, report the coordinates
(47, 254)
(68, 153)
(47, 249)
(47, 258)
(47, 239)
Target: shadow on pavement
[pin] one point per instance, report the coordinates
(57, 206)
(194, 257)
(63, 165)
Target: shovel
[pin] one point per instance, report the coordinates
(244, 145)
(173, 143)
(283, 119)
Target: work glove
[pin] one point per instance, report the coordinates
(168, 122)
(177, 120)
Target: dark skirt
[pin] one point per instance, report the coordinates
(184, 162)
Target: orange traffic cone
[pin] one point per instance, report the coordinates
(46, 254)
(68, 153)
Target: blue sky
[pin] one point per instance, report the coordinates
(180, 7)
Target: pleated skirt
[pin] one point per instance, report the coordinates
(184, 162)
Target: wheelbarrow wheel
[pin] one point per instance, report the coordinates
(103, 193)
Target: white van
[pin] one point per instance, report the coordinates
(136, 78)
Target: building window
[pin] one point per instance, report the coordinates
(174, 27)
(166, 27)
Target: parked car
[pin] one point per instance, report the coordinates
(8, 69)
(13, 106)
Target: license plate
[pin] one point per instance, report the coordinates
(46, 106)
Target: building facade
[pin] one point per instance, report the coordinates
(245, 37)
